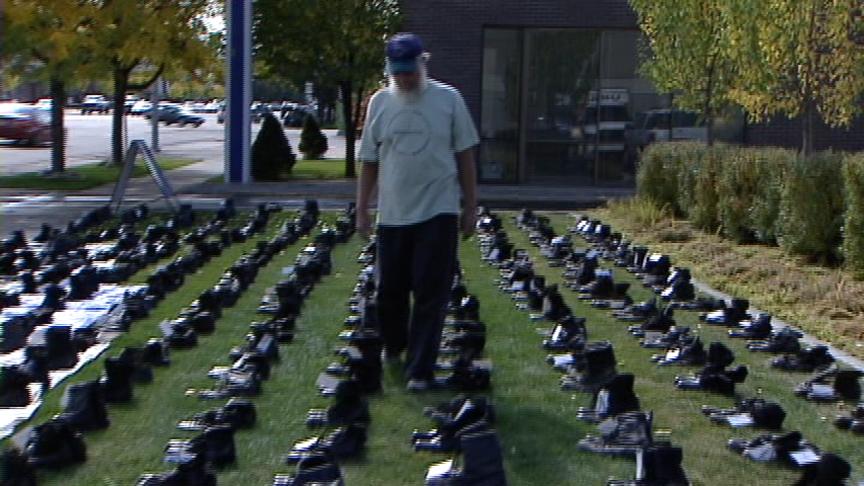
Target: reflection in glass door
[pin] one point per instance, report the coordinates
(562, 72)
(561, 105)
(502, 66)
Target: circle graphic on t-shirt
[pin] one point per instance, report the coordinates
(411, 132)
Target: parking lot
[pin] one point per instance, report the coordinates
(89, 140)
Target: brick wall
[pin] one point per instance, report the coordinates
(787, 133)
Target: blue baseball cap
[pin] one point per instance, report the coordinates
(403, 50)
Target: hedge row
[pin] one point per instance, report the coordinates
(810, 206)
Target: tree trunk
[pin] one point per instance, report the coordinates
(708, 109)
(807, 130)
(358, 107)
(709, 130)
(121, 81)
(347, 115)
(58, 135)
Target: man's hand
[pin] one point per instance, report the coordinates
(364, 223)
(468, 222)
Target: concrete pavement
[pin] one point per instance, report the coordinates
(28, 209)
(89, 139)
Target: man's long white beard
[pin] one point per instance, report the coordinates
(410, 96)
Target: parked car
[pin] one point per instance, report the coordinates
(140, 107)
(296, 117)
(256, 112)
(212, 107)
(605, 120)
(44, 104)
(665, 125)
(259, 110)
(199, 107)
(95, 104)
(26, 124)
(175, 115)
(129, 103)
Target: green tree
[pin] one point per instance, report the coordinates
(44, 39)
(146, 36)
(797, 58)
(689, 53)
(332, 43)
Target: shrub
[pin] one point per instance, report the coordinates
(705, 172)
(853, 225)
(688, 159)
(736, 190)
(665, 175)
(764, 214)
(748, 190)
(657, 176)
(811, 208)
(313, 143)
(271, 152)
(642, 212)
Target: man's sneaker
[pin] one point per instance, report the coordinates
(418, 385)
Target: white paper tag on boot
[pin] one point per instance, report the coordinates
(822, 392)
(740, 420)
(761, 453)
(804, 457)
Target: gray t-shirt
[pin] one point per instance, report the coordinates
(414, 144)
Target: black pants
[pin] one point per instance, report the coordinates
(416, 261)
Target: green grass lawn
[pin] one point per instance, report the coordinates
(826, 302)
(326, 169)
(319, 169)
(536, 420)
(83, 176)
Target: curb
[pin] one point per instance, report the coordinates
(839, 355)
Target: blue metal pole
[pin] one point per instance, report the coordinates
(239, 91)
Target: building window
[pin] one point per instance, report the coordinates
(500, 105)
(557, 105)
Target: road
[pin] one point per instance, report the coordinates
(89, 139)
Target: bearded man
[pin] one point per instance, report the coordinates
(418, 150)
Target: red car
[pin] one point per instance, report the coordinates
(25, 124)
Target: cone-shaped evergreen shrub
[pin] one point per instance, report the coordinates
(271, 152)
(313, 143)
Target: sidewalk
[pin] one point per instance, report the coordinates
(190, 182)
(497, 196)
(28, 209)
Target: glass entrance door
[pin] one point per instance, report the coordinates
(500, 106)
(563, 70)
(562, 105)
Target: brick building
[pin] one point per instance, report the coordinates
(552, 84)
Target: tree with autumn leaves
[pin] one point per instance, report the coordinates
(70, 40)
(698, 68)
(796, 58)
(44, 39)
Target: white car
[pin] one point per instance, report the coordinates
(140, 107)
(605, 119)
(664, 125)
(45, 104)
(212, 107)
